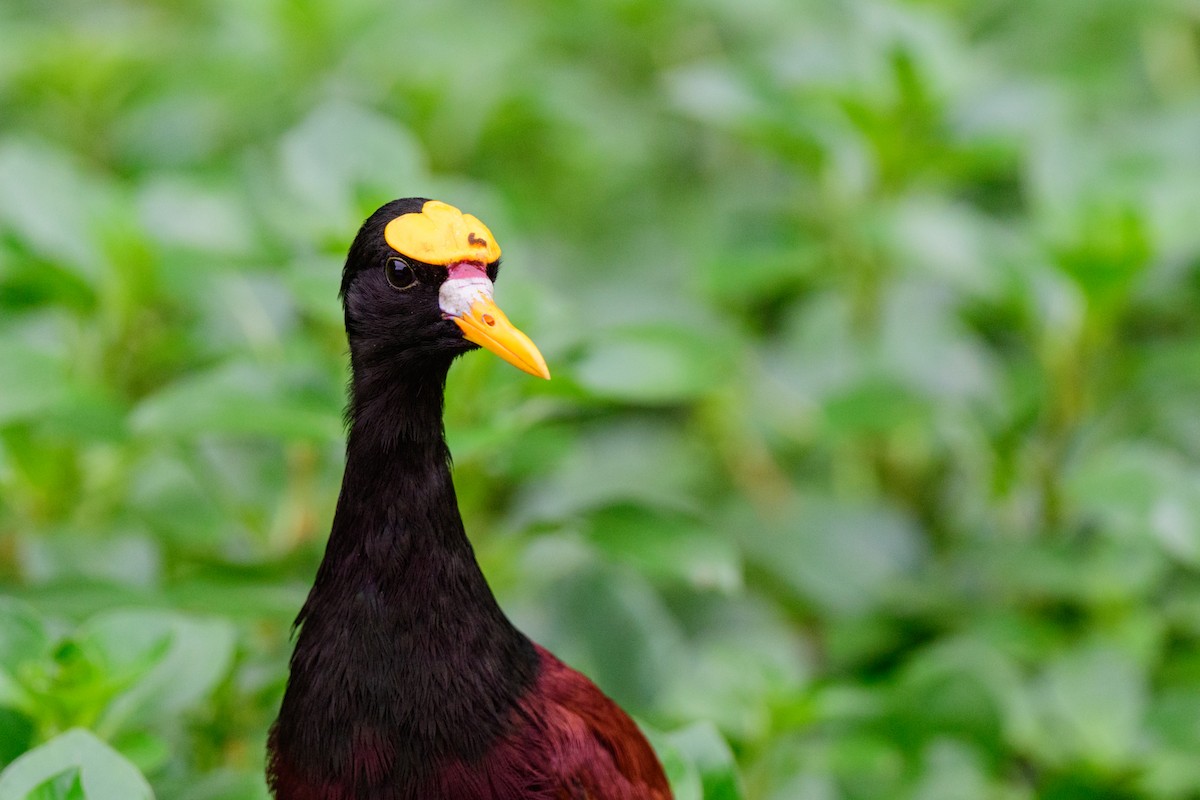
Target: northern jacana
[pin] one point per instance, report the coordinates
(408, 682)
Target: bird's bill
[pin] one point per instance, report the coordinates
(487, 326)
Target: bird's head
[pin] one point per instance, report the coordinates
(418, 286)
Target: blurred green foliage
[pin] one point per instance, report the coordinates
(872, 455)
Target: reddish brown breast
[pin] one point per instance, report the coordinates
(589, 747)
(565, 740)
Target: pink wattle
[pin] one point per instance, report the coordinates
(467, 269)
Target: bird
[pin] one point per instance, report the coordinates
(407, 680)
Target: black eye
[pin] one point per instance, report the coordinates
(399, 273)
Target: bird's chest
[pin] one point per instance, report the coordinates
(382, 767)
(382, 700)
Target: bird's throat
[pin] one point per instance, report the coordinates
(403, 651)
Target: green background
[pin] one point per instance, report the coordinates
(870, 462)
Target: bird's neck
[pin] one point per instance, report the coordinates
(402, 640)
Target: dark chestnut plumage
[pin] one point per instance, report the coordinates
(408, 682)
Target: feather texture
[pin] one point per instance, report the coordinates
(408, 682)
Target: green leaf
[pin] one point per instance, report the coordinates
(668, 545)
(702, 745)
(23, 637)
(67, 785)
(46, 200)
(144, 750)
(607, 622)
(653, 365)
(681, 772)
(34, 383)
(235, 399)
(339, 150)
(951, 771)
(633, 460)
(843, 557)
(747, 669)
(1090, 706)
(1139, 491)
(16, 734)
(872, 407)
(102, 772)
(186, 215)
(171, 661)
(133, 560)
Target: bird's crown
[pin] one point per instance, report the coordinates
(441, 234)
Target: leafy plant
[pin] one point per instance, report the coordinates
(868, 468)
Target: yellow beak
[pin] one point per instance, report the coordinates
(487, 326)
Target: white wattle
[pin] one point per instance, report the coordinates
(457, 295)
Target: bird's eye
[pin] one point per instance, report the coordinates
(400, 273)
